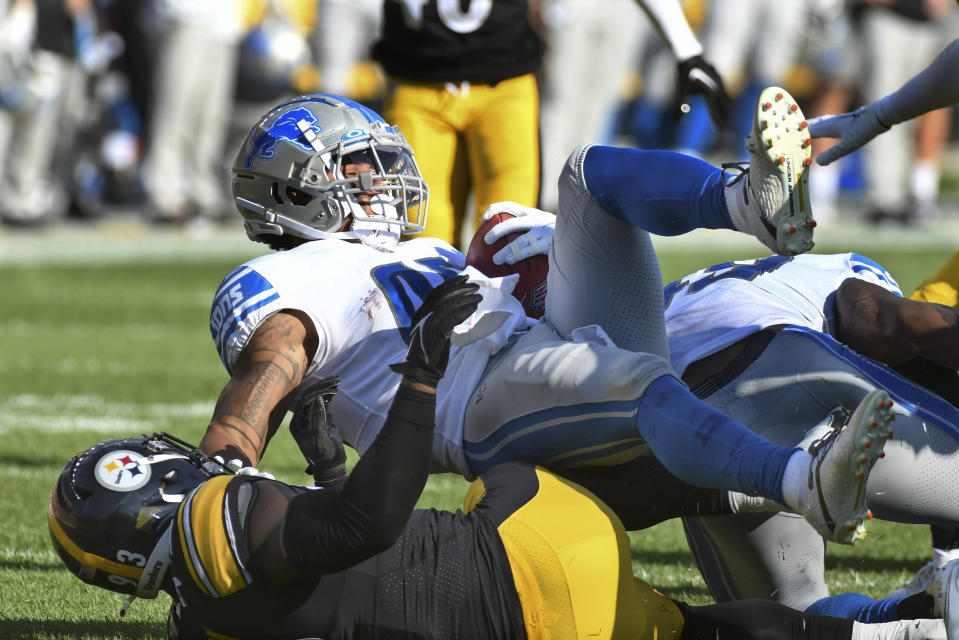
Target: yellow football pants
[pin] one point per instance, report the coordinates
(478, 137)
(570, 558)
(943, 286)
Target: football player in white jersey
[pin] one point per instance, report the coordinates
(765, 341)
(329, 181)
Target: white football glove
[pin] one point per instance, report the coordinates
(853, 129)
(236, 466)
(538, 225)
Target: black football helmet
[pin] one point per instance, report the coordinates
(113, 502)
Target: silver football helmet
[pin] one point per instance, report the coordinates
(319, 165)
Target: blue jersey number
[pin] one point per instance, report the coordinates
(740, 270)
(406, 288)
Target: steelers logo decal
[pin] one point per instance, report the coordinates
(123, 471)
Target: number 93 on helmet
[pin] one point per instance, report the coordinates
(113, 504)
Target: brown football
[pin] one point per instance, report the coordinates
(531, 288)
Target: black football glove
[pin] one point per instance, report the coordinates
(429, 350)
(698, 76)
(315, 434)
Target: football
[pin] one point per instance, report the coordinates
(531, 288)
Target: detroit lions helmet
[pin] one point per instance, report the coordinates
(112, 505)
(320, 164)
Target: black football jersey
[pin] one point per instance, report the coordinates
(452, 40)
(447, 576)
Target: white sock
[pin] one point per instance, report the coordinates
(795, 475)
(924, 181)
(736, 205)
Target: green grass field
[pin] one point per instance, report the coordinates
(110, 339)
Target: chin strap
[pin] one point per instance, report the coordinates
(154, 571)
(157, 565)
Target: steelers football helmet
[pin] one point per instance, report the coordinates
(112, 505)
(319, 165)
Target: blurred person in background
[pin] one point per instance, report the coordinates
(463, 91)
(184, 168)
(900, 37)
(275, 58)
(591, 45)
(753, 44)
(43, 44)
(834, 55)
(344, 34)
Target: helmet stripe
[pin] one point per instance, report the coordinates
(91, 560)
(330, 99)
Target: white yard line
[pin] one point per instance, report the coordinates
(71, 413)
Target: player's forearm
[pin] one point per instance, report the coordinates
(386, 482)
(252, 404)
(328, 531)
(668, 17)
(935, 87)
(248, 411)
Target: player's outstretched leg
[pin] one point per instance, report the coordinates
(833, 497)
(945, 594)
(770, 199)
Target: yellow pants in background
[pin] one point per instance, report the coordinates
(477, 138)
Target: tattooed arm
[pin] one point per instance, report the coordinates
(252, 404)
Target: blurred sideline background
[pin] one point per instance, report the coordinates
(116, 111)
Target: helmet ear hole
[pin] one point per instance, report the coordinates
(275, 192)
(297, 197)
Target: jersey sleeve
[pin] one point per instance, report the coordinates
(871, 271)
(243, 300)
(209, 541)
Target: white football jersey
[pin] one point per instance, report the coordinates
(715, 307)
(361, 300)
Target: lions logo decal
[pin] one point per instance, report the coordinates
(123, 471)
(263, 145)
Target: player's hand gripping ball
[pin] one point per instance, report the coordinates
(532, 271)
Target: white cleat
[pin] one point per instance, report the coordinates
(944, 590)
(770, 198)
(834, 496)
